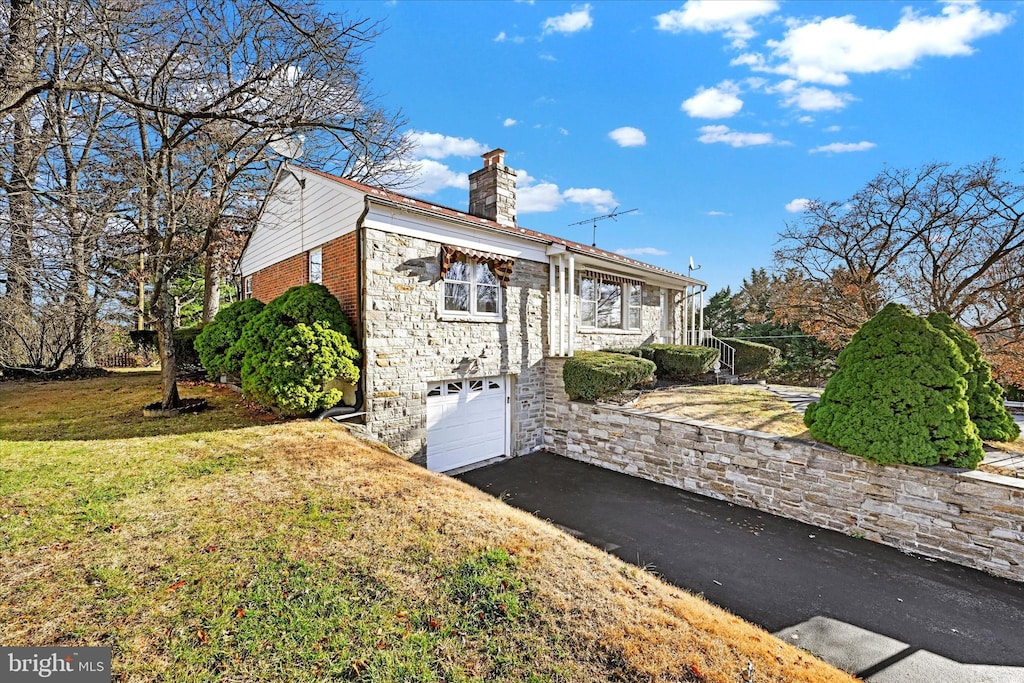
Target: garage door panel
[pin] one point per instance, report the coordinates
(467, 421)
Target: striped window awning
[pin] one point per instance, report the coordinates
(608, 277)
(502, 265)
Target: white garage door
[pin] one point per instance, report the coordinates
(467, 421)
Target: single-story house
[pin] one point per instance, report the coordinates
(457, 312)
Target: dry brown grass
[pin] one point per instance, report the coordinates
(159, 546)
(742, 406)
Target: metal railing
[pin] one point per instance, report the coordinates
(726, 353)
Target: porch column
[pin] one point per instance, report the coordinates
(571, 326)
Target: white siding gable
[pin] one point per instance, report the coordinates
(297, 219)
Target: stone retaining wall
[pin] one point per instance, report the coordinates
(971, 518)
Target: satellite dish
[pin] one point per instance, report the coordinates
(693, 267)
(288, 147)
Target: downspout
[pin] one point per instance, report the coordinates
(572, 303)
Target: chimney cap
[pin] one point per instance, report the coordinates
(495, 156)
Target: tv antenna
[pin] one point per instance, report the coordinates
(615, 212)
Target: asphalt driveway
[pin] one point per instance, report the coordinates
(791, 578)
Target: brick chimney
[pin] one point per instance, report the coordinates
(492, 190)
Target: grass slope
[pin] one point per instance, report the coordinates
(222, 546)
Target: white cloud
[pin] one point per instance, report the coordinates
(627, 136)
(841, 147)
(438, 146)
(732, 18)
(592, 198)
(535, 197)
(718, 213)
(508, 123)
(541, 197)
(833, 129)
(713, 134)
(828, 50)
(719, 102)
(817, 99)
(571, 22)
(563, 131)
(806, 119)
(642, 251)
(547, 57)
(504, 37)
(432, 176)
(798, 205)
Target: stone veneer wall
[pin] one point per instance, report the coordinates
(408, 343)
(971, 518)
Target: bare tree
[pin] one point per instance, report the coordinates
(937, 238)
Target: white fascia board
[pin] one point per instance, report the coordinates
(410, 224)
(653, 278)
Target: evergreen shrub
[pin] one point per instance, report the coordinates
(215, 343)
(681, 362)
(591, 375)
(898, 396)
(265, 382)
(984, 395)
(304, 362)
(752, 357)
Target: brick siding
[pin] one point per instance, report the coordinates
(339, 275)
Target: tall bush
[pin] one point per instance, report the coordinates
(984, 395)
(215, 343)
(898, 396)
(269, 375)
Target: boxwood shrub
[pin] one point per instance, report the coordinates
(681, 362)
(984, 395)
(899, 396)
(591, 375)
(752, 357)
(214, 344)
(290, 380)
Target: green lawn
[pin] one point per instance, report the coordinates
(231, 546)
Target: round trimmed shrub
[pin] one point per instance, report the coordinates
(591, 375)
(752, 357)
(262, 380)
(984, 395)
(214, 344)
(898, 396)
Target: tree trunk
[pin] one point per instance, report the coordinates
(19, 68)
(163, 310)
(211, 281)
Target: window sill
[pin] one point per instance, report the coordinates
(606, 330)
(448, 317)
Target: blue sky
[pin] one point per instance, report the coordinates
(713, 119)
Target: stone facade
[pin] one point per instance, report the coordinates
(409, 342)
(971, 518)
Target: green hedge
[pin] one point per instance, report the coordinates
(752, 357)
(591, 375)
(215, 343)
(984, 395)
(680, 362)
(275, 370)
(899, 396)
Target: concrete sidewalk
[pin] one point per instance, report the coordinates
(865, 607)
